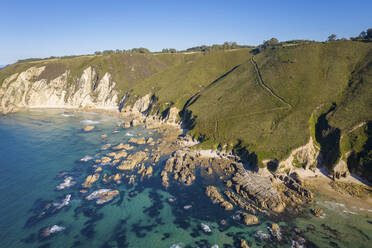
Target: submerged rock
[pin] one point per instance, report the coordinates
(105, 147)
(179, 245)
(103, 136)
(103, 195)
(205, 228)
(66, 183)
(261, 235)
(86, 158)
(187, 207)
(50, 230)
(65, 202)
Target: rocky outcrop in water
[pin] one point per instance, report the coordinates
(259, 190)
(102, 196)
(212, 192)
(27, 90)
(50, 230)
(181, 165)
(88, 128)
(249, 219)
(90, 180)
(133, 160)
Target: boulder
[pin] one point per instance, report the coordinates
(317, 212)
(243, 244)
(89, 180)
(249, 219)
(88, 128)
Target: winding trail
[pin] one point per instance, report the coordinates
(267, 88)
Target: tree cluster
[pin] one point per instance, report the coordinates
(364, 36)
(215, 47)
(118, 51)
(168, 50)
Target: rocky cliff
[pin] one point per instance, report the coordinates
(28, 90)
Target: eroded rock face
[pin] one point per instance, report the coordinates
(25, 90)
(306, 157)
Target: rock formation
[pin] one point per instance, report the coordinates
(133, 160)
(212, 192)
(26, 90)
(90, 180)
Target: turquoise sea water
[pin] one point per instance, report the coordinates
(37, 146)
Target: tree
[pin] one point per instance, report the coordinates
(234, 45)
(165, 50)
(172, 50)
(332, 37)
(369, 33)
(363, 35)
(97, 53)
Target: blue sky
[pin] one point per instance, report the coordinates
(45, 28)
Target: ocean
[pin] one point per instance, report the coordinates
(39, 149)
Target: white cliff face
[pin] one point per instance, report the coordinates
(307, 156)
(24, 91)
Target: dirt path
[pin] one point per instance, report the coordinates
(267, 88)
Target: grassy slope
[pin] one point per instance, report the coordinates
(306, 76)
(178, 83)
(126, 69)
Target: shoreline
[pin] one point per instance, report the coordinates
(318, 180)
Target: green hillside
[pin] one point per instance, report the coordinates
(268, 105)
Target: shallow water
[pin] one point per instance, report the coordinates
(36, 146)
